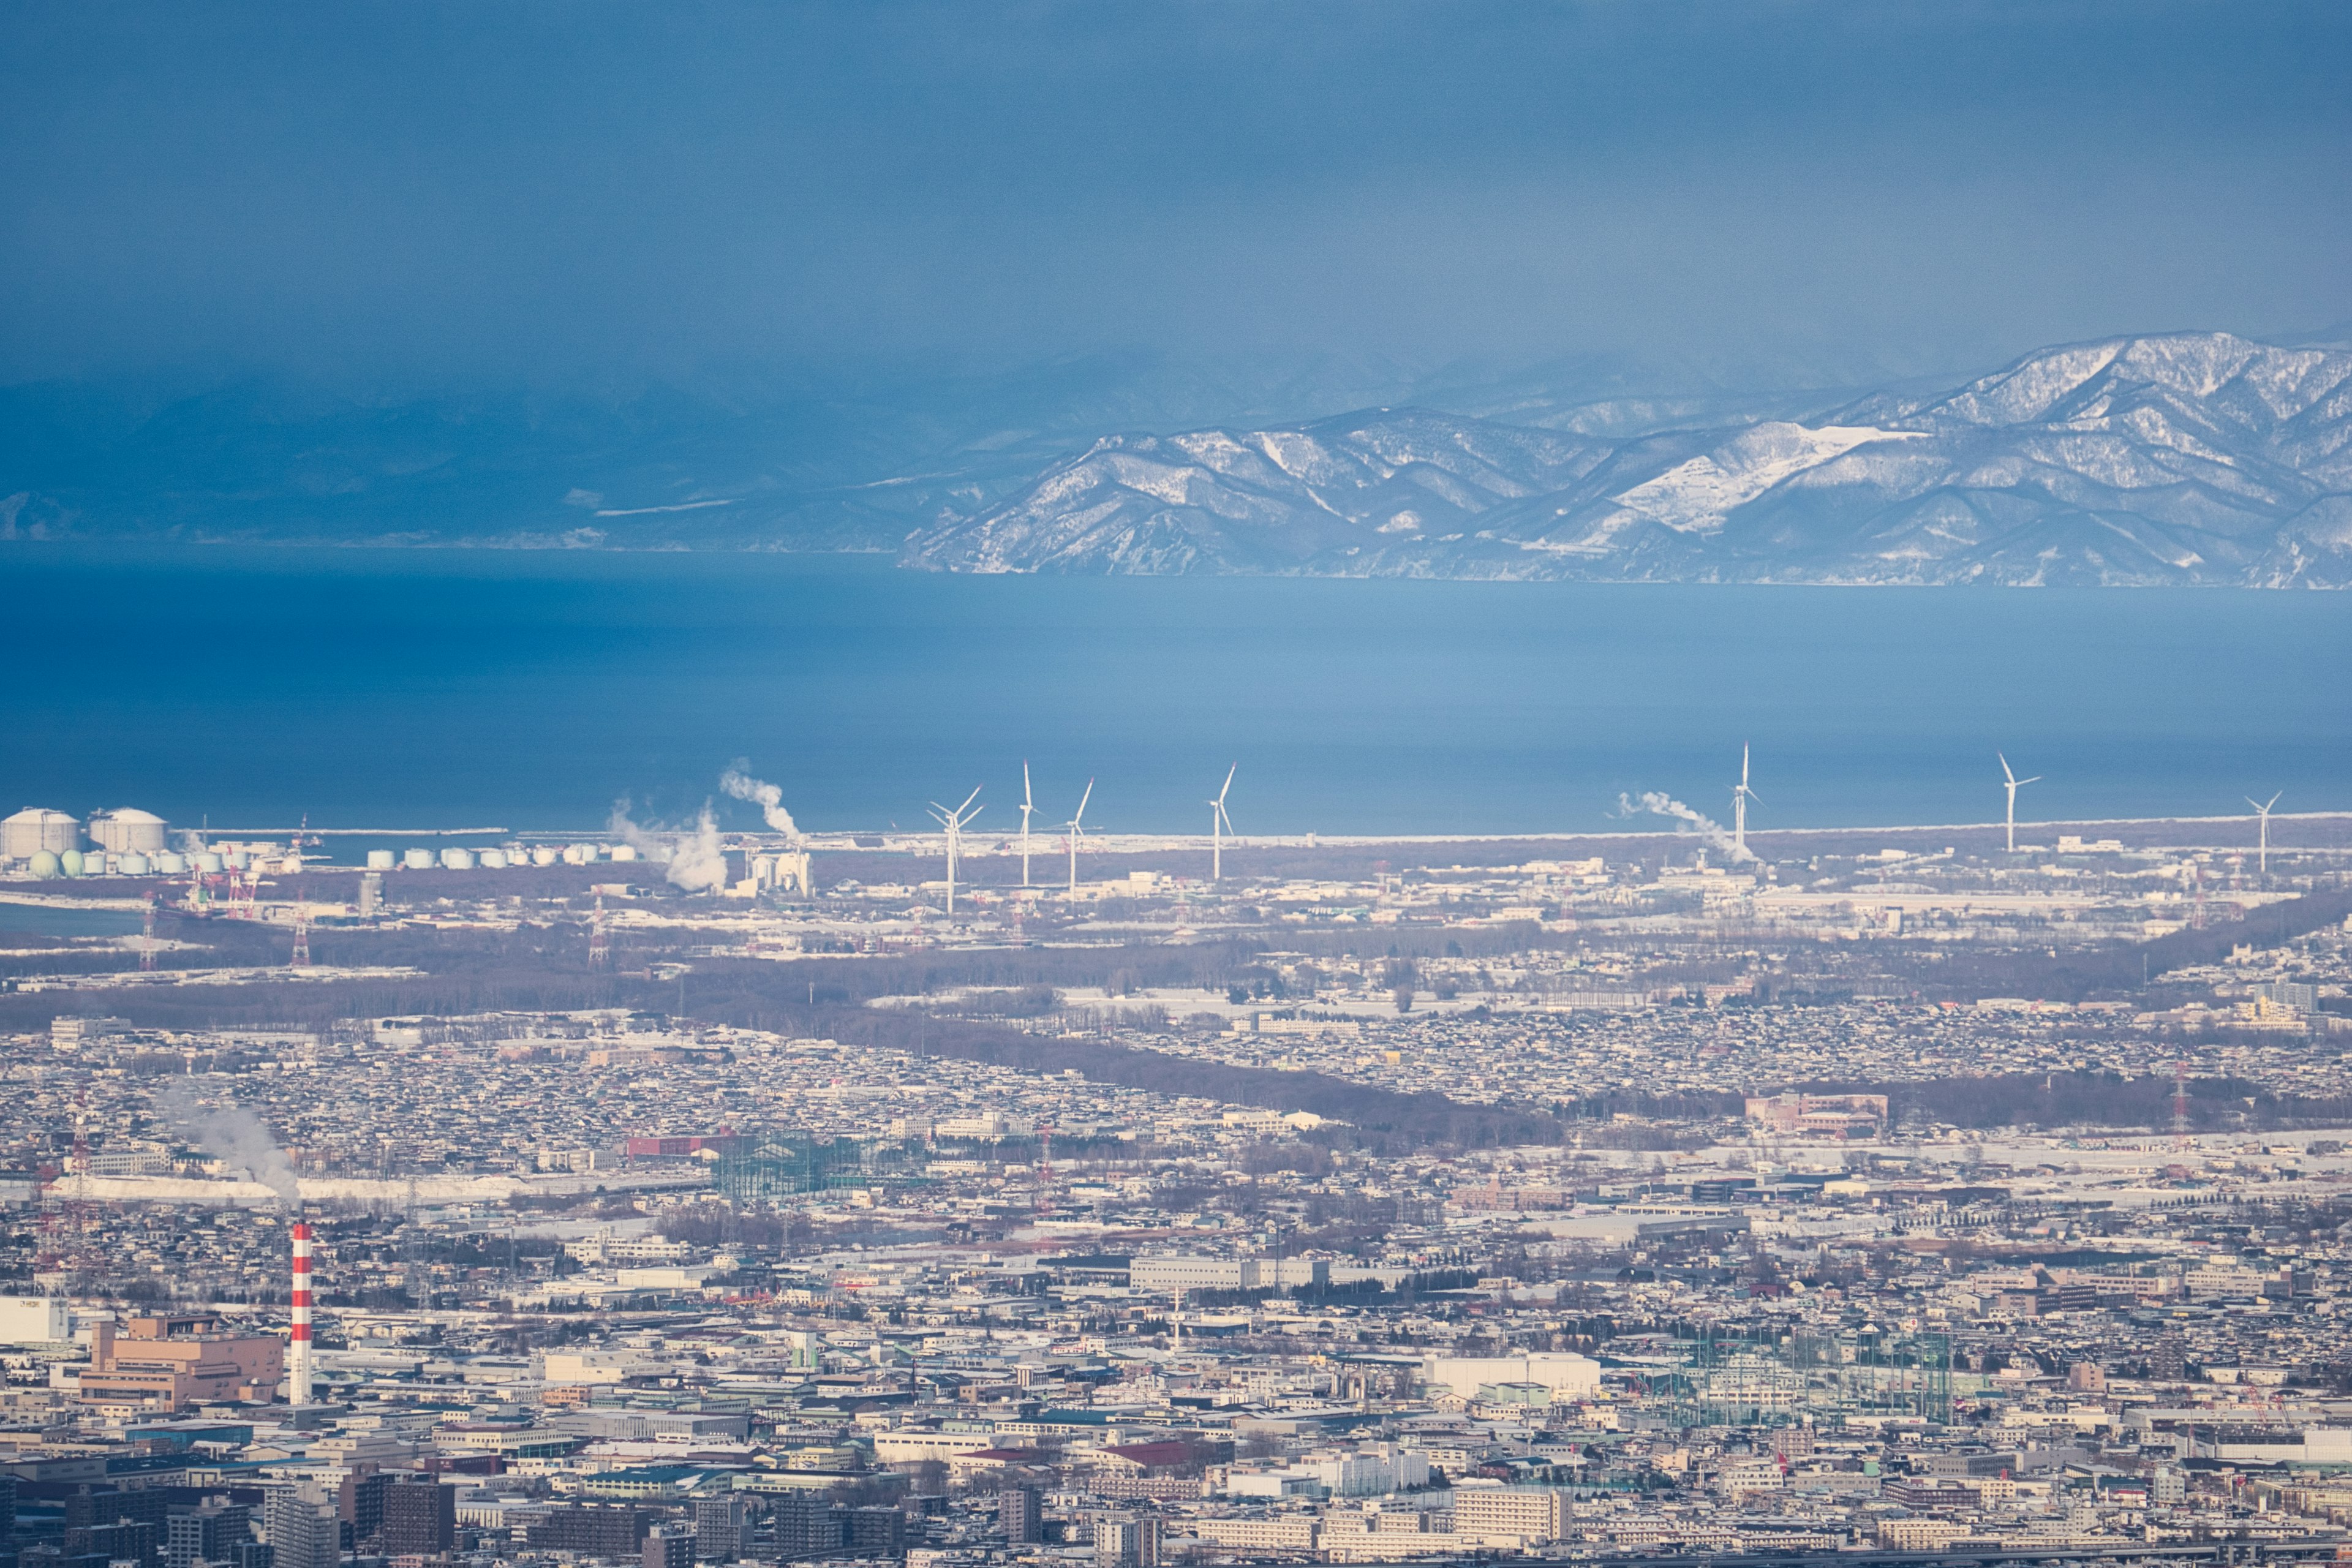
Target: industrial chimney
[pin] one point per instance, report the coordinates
(297, 1347)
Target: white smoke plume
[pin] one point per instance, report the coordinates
(740, 784)
(689, 860)
(1658, 804)
(697, 863)
(234, 1135)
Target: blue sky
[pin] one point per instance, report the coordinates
(420, 190)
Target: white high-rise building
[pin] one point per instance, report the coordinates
(304, 1527)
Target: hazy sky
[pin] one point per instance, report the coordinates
(486, 189)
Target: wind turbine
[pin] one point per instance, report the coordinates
(2015, 784)
(1075, 833)
(1026, 807)
(2263, 812)
(1219, 826)
(952, 823)
(1740, 795)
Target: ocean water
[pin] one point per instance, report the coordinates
(400, 688)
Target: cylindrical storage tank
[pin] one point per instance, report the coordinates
(70, 862)
(418, 859)
(494, 860)
(168, 864)
(577, 854)
(379, 860)
(543, 855)
(127, 830)
(133, 864)
(625, 851)
(36, 828)
(208, 862)
(45, 863)
(455, 859)
(234, 859)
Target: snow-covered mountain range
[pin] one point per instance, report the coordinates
(2181, 459)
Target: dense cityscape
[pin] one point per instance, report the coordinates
(692, 1197)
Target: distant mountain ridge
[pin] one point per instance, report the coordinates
(2181, 459)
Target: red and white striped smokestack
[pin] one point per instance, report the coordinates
(297, 1347)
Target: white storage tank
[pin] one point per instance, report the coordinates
(379, 860)
(127, 830)
(494, 860)
(418, 859)
(578, 854)
(168, 864)
(625, 851)
(209, 862)
(455, 859)
(133, 865)
(36, 828)
(544, 854)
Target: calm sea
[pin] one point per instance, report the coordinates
(413, 688)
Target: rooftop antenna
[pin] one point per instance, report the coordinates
(1740, 795)
(2015, 784)
(1027, 807)
(2263, 813)
(1219, 826)
(1077, 833)
(951, 824)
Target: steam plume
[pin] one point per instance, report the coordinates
(693, 861)
(740, 784)
(697, 863)
(234, 1135)
(1658, 804)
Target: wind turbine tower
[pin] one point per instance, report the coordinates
(951, 824)
(2263, 813)
(1219, 826)
(2015, 784)
(1740, 795)
(1026, 807)
(1075, 833)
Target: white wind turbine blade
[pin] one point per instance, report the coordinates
(1229, 786)
(969, 798)
(1024, 786)
(2035, 779)
(2004, 770)
(1081, 814)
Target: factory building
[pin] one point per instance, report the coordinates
(34, 1321)
(170, 1363)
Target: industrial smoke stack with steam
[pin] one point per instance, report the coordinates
(233, 1135)
(1661, 805)
(738, 782)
